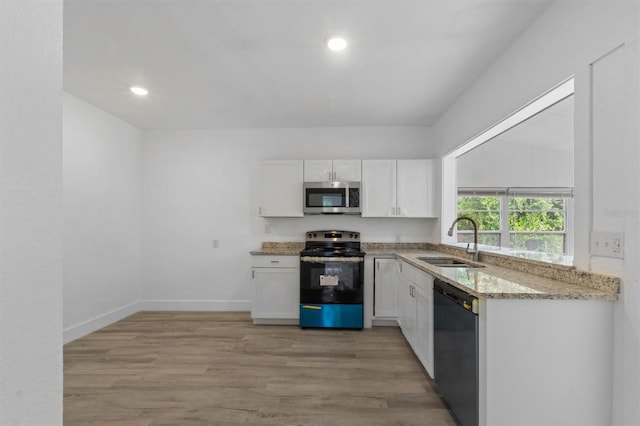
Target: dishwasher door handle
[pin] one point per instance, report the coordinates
(450, 296)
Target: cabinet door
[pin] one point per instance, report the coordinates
(378, 197)
(318, 170)
(416, 188)
(406, 306)
(280, 187)
(276, 293)
(401, 294)
(423, 346)
(385, 288)
(347, 170)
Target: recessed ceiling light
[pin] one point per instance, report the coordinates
(336, 43)
(140, 91)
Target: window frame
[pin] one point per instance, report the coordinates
(505, 194)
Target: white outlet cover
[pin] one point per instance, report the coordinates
(607, 244)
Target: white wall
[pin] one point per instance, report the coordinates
(30, 212)
(564, 41)
(199, 185)
(515, 165)
(102, 159)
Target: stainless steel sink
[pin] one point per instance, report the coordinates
(449, 262)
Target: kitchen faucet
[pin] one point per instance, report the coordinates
(474, 252)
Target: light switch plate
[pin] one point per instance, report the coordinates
(607, 244)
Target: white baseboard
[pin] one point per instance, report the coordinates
(385, 322)
(194, 305)
(86, 327)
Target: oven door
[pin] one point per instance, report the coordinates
(331, 280)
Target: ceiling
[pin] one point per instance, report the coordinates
(262, 63)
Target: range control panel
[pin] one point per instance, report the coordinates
(333, 236)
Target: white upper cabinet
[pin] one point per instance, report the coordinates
(318, 170)
(415, 188)
(280, 188)
(378, 190)
(398, 188)
(347, 170)
(332, 170)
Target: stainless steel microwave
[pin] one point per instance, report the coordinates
(332, 198)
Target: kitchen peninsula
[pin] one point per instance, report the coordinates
(539, 325)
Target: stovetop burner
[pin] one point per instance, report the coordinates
(332, 244)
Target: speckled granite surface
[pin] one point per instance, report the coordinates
(564, 273)
(393, 247)
(270, 248)
(495, 282)
(293, 248)
(502, 277)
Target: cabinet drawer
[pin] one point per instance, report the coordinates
(417, 277)
(275, 261)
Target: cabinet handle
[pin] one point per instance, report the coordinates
(275, 261)
(253, 275)
(259, 210)
(378, 264)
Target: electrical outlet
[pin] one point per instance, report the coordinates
(214, 243)
(617, 245)
(267, 228)
(397, 238)
(607, 244)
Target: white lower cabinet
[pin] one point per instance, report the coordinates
(406, 309)
(385, 294)
(415, 312)
(423, 343)
(276, 289)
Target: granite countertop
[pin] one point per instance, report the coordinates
(279, 249)
(294, 248)
(500, 277)
(494, 282)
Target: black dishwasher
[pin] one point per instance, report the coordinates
(455, 345)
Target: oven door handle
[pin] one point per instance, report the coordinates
(316, 259)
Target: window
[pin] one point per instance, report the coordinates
(522, 219)
(486, 212)
(537, 224)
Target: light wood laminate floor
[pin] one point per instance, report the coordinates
(217, 368)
